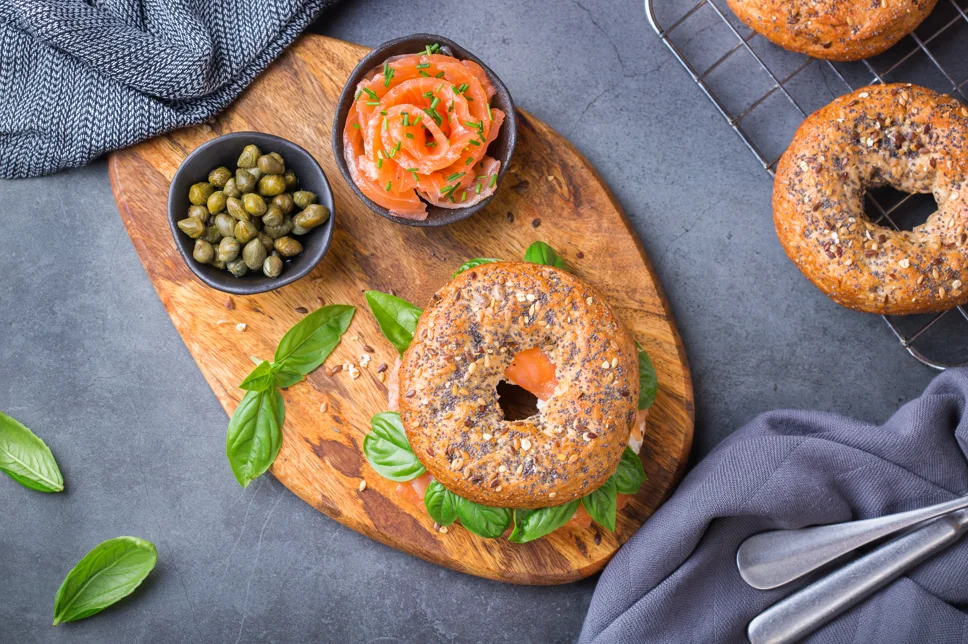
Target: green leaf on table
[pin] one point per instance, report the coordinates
(534, 524)
(255, 434)
(310, 341)
(471, 263)
(397, 318)
(482, 520)
(648, 383)
(541, 253)
(630, 474)
(26, 459)
(601, 505)
(388, 451)
(285, 376)
(259, 379)
(441, 503)
(108, 573)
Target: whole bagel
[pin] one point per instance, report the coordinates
(464, 342)
(909, 137)
(833, 29)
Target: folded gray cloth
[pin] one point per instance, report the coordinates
(78, 79)
(676, 579)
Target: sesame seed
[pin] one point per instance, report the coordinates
(241, 326)
(323, 407)
(502, 469)
(588, 300)
(606, 364)
(529, 297)
(362, 485)
(904, 263)
(525, 444)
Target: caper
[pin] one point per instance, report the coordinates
(249, 157)
(303, 198)
(272, 266)
(216, 202)
(244, 180)
(256, 172)
(285, 202)
(270, 164)
(228, 249)
(211, 234)
(231, 189)
(237, 209)
(254, 254)
(244, 231)
(314, 215)
(273, 216)
(217, 263)
(290, 178)
(198, 212)
(225, 224)
(203, 251)
(254, 204)
(297, 229)
(199, 192)
(219, 176)
(267, 241)
(279, 231)
(192, 227)
(271, 185)
(288, 247)
(237, 267)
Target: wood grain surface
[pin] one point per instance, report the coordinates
(550, 193)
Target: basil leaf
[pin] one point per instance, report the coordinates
(397, 318)
(255, 434)
(482, 520)
(259, 379)
(471, 263)
(388, 451)
(630, 474)
(534, 524)
(109, 572)
(441, 503)
(307, 344)
(648, 383)
(541, 253)
(601, 505)
(26, 459)
(285, 376)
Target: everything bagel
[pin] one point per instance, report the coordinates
(833, 29)
(463, 344)
(909, 137)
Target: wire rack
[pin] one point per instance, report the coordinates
(764, 93)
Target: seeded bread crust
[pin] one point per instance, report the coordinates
(462, 345)
(909, 137)
(833, 29)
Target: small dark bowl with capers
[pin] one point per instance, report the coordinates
(250, 212)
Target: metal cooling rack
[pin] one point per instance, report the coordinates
(764, 92)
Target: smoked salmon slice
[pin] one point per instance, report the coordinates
(533, 371)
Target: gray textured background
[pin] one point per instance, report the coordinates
(91, 362)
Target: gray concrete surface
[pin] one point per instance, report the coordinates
(91, 362)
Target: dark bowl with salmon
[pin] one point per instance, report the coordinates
(424, 131)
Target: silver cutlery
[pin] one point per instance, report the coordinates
(806, 610)
(771, 559)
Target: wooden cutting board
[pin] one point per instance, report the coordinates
(550, 193)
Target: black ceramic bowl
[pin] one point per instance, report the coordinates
(225, 151)
(501, 148)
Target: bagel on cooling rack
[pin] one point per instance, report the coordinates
(909, 137)
(833, 29)
(464, 343)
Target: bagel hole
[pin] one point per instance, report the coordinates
(907, 210)
(516, 402)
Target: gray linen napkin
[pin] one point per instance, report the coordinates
(78, 79)
(676, 579)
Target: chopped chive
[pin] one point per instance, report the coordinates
(385, 124)
(387, 74)
(373, 103)
(370, 92)
(469, 99)
(489, 117)
(449, 189)
(424, 74)
(478, 189)
(408, 135)
(432, 49)
(410, 170)
(450, 108)
(439, 87)
(356, 126)
(463, 197)
(423, 65)
(440, 75)
(434, 103)
(383, 112)
(406, 120)
(430, 144)
(455, 176)
(490, 184)
(481, 177)
(417, 120)
(379, 163)
(388, 186)
(428, 94)
(469, 161)
(475, 142)
(359, 93)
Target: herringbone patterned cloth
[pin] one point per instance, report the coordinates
(78, 79)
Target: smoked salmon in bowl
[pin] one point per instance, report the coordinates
(424, 131)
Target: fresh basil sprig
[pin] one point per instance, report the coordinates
(648, 383)
(472, 263)
(397, 318)
(630, 474)
(534, 524)
(541, 253)
(482, 520)
(441, 503)
(109, 572)
(601, 505)
(26, 459)
(388, 451)
(254, 436)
